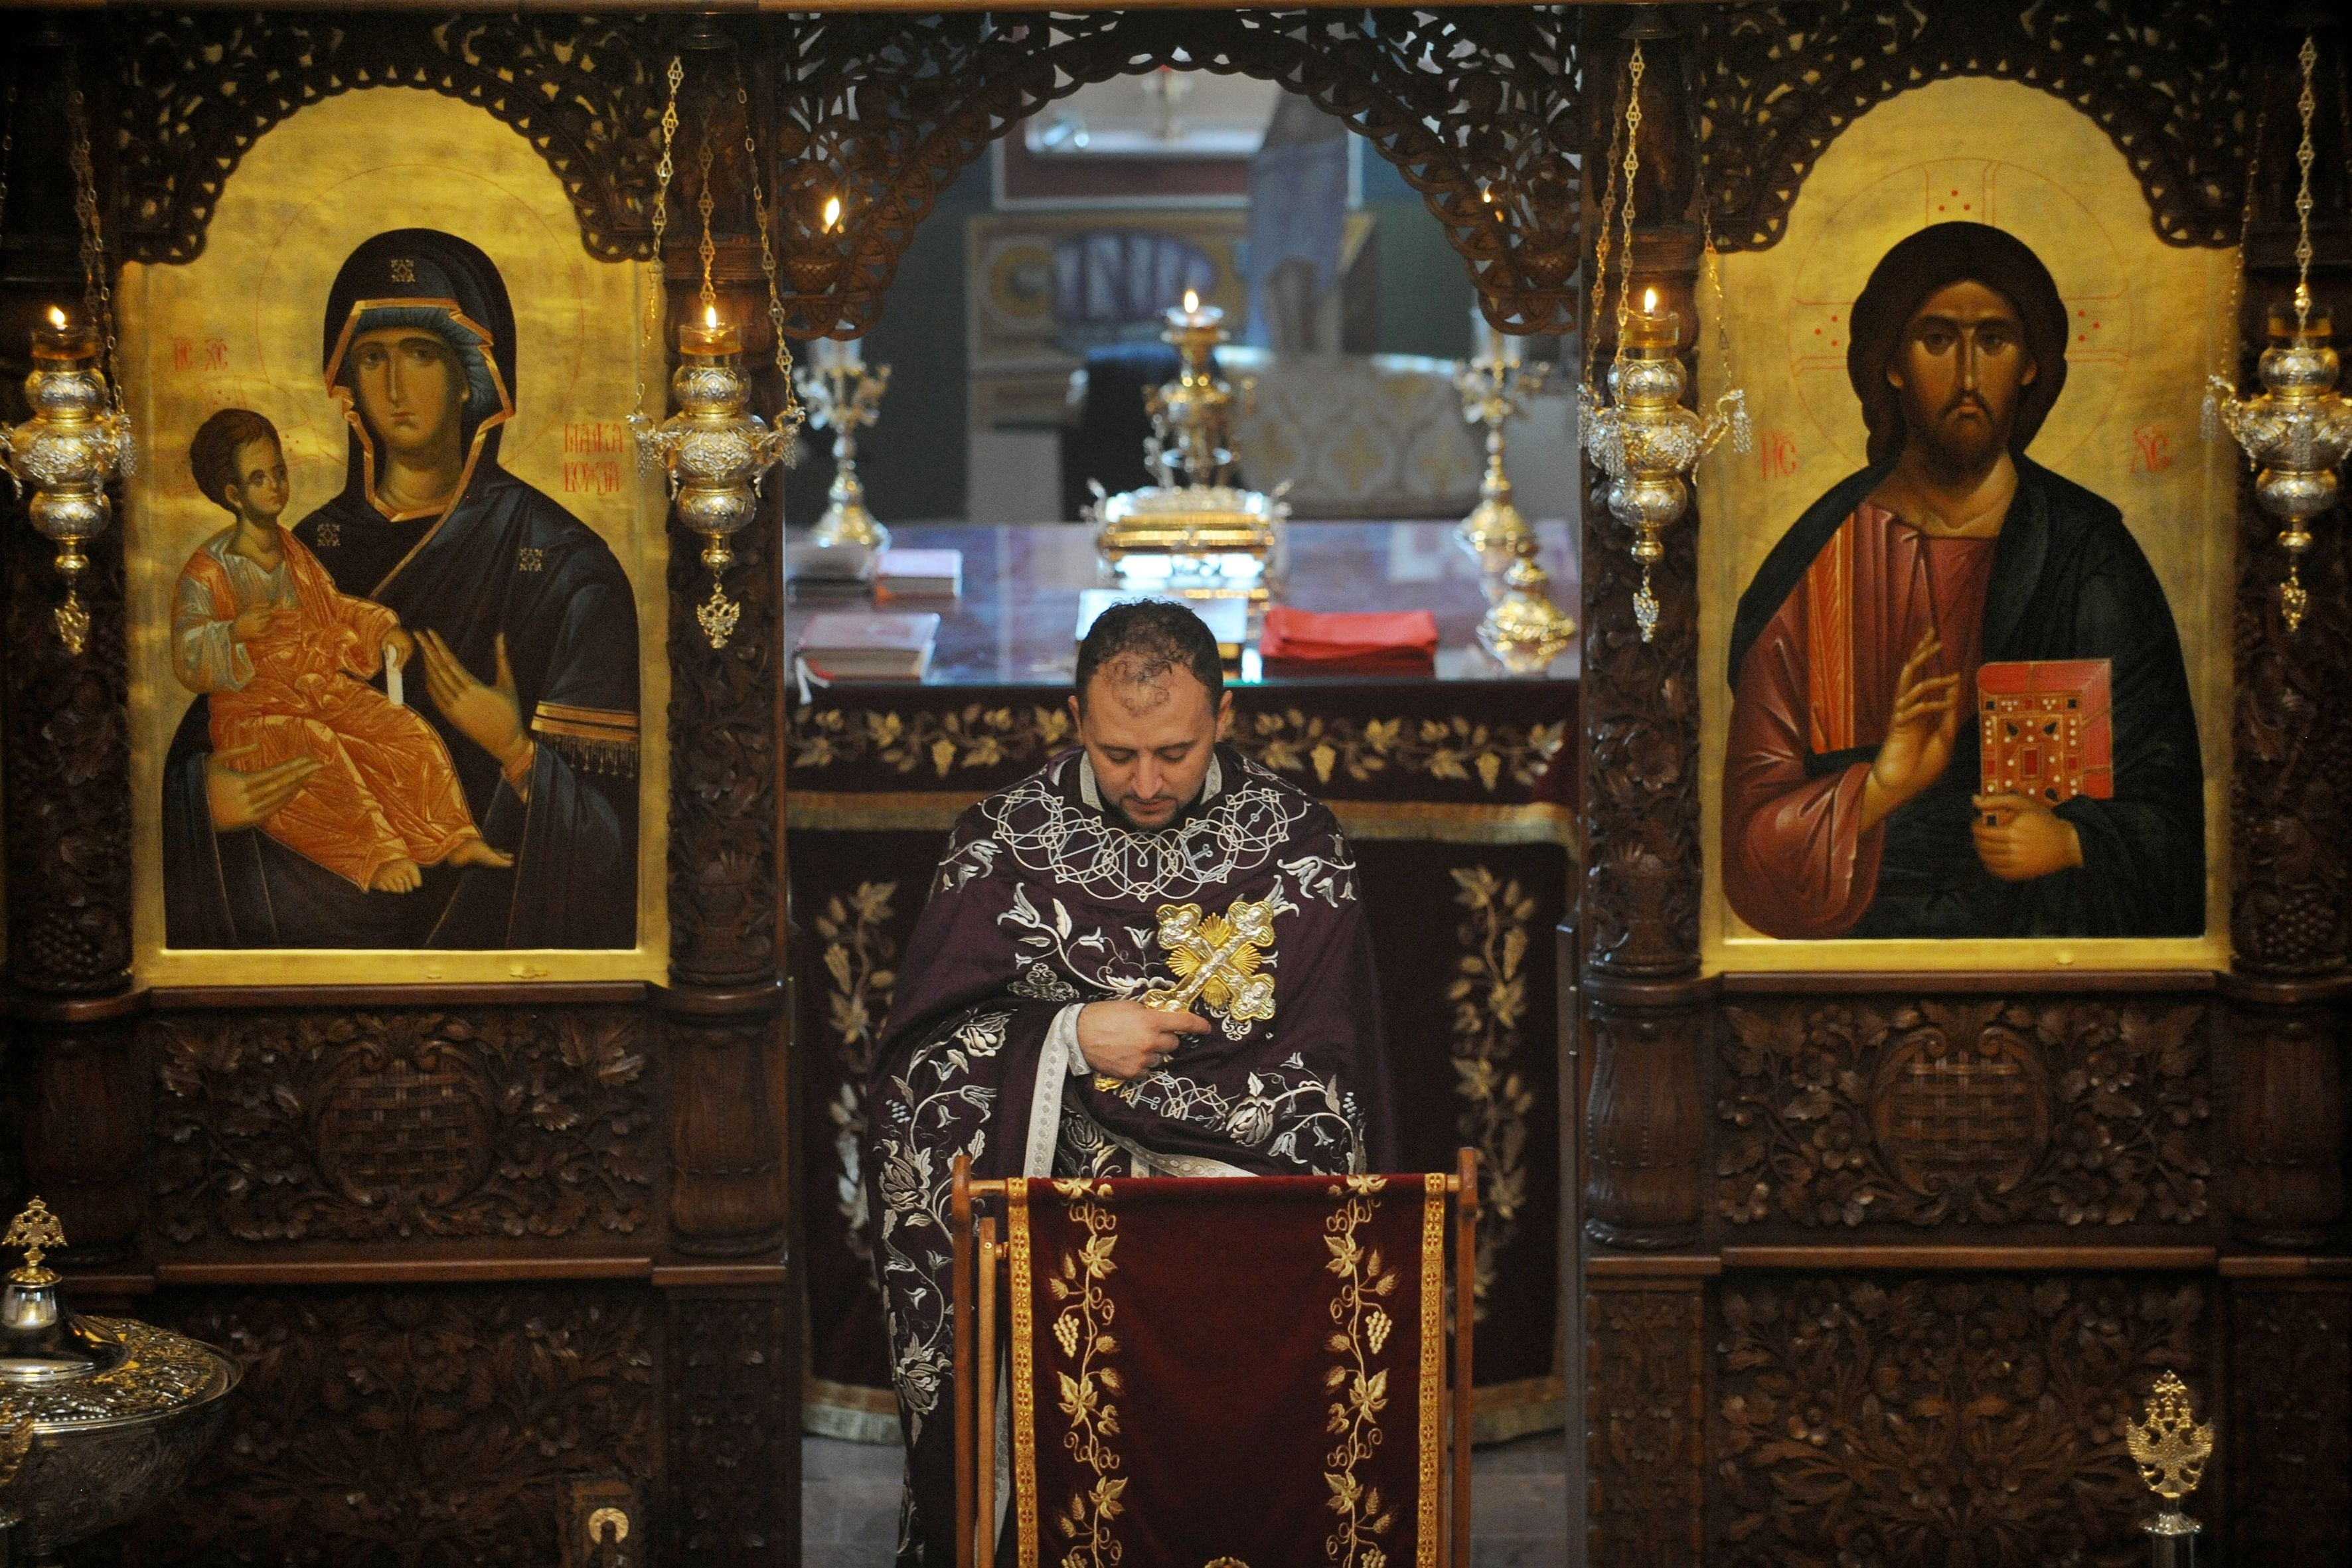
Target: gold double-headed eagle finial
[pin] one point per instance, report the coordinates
(2169, 1447)
(36, 1230)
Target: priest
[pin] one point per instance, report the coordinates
(1147, 958)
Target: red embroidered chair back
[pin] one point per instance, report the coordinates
(1246, 1372)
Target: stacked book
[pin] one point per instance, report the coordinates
(867, 644)
(1302, 642)
(918, 574)
(829, 571)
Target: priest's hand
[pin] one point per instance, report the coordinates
(1126, 1039)
(241, 800)
(488, 715)
(2020, 838)
(1920, 730)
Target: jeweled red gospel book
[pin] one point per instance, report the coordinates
(2045, 729)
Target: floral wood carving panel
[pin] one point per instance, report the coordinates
(409, 1429)
(725, 852)
(275, 1127)
(2293, 754)
(1640, 799)
(1646, 1371)
(195, 91)
(733, 1429)
(2166, 81)
(68, 755)
(2290, 1401)
(1476, 108)
(1886, 1420)
(1963, 1112)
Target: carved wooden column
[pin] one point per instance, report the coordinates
(735, 1384)
(1646, 1005)
(66, 738)
(2290, 801)
(1641, 717)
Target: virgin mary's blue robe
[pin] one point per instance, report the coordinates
(504, 560)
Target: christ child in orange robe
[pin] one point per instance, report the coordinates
(259, 628)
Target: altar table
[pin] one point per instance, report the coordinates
(1457, 793)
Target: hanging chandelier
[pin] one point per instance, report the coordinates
(2297, 431)
(78, 439)
(714, 451)
(1643, 438)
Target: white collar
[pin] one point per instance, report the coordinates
(1211, 785)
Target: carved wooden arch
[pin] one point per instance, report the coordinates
(1476, 108)
(2168, 82)
(195, 92)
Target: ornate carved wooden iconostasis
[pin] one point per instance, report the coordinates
(1831, 1316)
(604, 1309)
(504, 1237)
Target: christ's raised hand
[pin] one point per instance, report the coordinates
(1920, 730)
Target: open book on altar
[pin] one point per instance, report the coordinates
(2046, 728)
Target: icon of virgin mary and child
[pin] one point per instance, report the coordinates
(306, 802)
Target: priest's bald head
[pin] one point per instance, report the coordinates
(1959, 343)
(1151, 703)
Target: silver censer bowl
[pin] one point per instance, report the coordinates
(100, 1418)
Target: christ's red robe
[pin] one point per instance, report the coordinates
(1809, 709)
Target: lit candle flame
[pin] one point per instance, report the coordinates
(831, 214)
(1192, 300)
(58, 317)
(1649, 302)
(711, 316)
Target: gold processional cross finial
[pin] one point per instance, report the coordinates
(36, 1230)
(2169, 1447)
(1216, 959)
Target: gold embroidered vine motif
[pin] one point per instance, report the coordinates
(1360, 1332)
(1082, 1331)
(856, 957)
(1489, 993)
(972, 737)
(1292, 743)
(1457, 749)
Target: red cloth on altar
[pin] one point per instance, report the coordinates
(1206, 1369)
(1811, 708)
(1306, 642)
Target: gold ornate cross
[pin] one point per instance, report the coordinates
(1215, 958)
(2169, 1447)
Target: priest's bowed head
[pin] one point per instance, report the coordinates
(1853, 796)
(1147, 958)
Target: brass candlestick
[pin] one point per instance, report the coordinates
(2170, 1449)
(1524, 629)
(1496, 388)
(844, 396)
(1195, 534)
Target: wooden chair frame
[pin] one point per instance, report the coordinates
(974, 1289)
